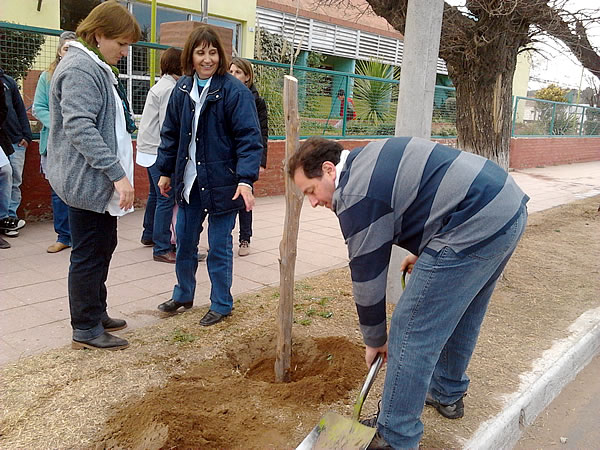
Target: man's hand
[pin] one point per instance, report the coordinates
(246, 193)
(126, 193)
(408, 262)
(164, 184)
(24, 143)
(371, 354)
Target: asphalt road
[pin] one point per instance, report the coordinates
(572, 420)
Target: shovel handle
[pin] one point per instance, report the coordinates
(367, 386)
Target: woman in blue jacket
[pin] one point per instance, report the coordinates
(211, 143)
(41, 111)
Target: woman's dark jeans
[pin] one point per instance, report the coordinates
(94, 239)
(245, 224)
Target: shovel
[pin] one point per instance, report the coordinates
(335, 431)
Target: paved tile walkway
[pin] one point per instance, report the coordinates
(34, 310)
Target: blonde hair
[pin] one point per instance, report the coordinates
(246, 67)
(111, 20)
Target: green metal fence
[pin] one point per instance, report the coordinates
(27, 51)
(373, 101)
(534, 117)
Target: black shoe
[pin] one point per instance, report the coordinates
(4, 244)
(202, 255)
(11, 224)
(113, 324)
(105, 341)
(379, 443)
(454, 411)
(147, 242)
(212, 317)
(171, 306)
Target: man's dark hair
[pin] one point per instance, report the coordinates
(170, 62)
(311, 155)
(341, 93)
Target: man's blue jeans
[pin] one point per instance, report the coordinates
(60, 214)
(94, 238)
(17, 161)
(220, 254)
(5, 189)
(434, 329)
(158, 214)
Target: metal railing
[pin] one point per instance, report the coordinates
(535, 117)
(27, 51)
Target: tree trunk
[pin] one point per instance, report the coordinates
(484, 101)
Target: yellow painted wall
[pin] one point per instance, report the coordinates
(243, 11)
(25, 12)
(521, 81)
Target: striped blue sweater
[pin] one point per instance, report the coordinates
(421, 196)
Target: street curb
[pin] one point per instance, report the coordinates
(504, 430)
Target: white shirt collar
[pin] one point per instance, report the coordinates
(339, 166)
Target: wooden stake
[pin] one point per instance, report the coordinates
(289, 242)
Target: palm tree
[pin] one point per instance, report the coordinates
(373, 96)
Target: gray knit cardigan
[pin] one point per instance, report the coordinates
(82, 145)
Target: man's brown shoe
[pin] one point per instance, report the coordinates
(57, 247)
(168, 257)
(105, 341)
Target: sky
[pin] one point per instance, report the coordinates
(558, 65)
(561, 67)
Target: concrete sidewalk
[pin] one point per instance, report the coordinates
(34, 311)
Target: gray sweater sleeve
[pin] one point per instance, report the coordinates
(81, 101)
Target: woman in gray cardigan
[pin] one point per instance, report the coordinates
(90, 163)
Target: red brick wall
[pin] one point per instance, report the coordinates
(524, 152)
(536, 152)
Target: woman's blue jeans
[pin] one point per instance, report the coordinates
(434, 329)
(220, 254)
(158, 214)
(60, 215)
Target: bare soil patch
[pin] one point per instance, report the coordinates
(180, 385)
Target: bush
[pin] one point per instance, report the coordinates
(18, 51)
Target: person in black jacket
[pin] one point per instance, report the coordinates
(242, 70)
(18, 130)
(5, 170)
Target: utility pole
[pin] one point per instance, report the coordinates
(419, 67)
(205, 11)
(417, 88)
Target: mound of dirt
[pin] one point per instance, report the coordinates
(210, 405)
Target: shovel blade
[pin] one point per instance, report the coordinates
(338, 432)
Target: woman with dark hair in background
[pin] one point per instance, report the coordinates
(211, 147)
(242, 70)
(90, 163)
(41, 111)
